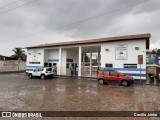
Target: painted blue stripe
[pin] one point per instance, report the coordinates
(133, 74)
(29, 69)
(124, 69)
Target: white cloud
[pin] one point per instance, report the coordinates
(50, 15)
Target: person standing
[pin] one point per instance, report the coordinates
(55, 69)
(72, 70)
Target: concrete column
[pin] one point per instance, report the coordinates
(83, 59)
(83, 63)
(90, 64)
(60, 61)
(80, 61)
(98, 58)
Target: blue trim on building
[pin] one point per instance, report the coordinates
(53, 60)
(125, 69)
(34, 66)
(133, 74)
(29, 69)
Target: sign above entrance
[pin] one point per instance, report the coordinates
(121, 52)
(53, 60)
(69, 60)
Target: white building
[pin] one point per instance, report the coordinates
(117, 53)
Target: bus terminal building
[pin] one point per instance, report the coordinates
(114, 53)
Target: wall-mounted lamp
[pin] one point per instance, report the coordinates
(39, 53)
(136, 48)
(107, 49)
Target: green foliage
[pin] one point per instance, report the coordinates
(147, 52)
(87, 64)
(87, 59)
(19, 54)
(153, 52)
(158, 52)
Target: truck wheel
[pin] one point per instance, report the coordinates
(125, 83)
(30, 76)
(101, 81)
(42, 76)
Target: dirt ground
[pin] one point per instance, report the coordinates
(19, 93)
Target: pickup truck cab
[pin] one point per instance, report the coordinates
(41, 72)
(112, 76)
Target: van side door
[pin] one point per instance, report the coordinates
(35, 72)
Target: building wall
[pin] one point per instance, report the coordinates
(71, 52)
(51, 56)
(12, 65)
(35, 58)
(109, 57)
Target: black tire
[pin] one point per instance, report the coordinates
(125, 83)
(42, 76)
(30, 75)
(101, 81)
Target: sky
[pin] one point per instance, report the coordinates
(26, 23)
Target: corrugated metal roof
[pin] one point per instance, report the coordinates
(99, 40)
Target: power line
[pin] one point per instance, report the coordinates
(78, 21)
(18, 7)
(9, 4)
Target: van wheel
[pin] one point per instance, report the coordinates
(125, 83)
(42, 76)
(101, 81)
(30, 76)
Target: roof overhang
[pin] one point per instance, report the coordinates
(145, 36)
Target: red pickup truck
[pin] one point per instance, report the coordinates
(112, 76)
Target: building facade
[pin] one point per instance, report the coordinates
(117, 53)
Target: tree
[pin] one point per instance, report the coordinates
(147, 52)
(19, 54)
(158, 52)
(153, 52)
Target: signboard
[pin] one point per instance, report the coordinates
(140, 59)
(34, 56)
(152, 59)
(121, 52)
(69, 60)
